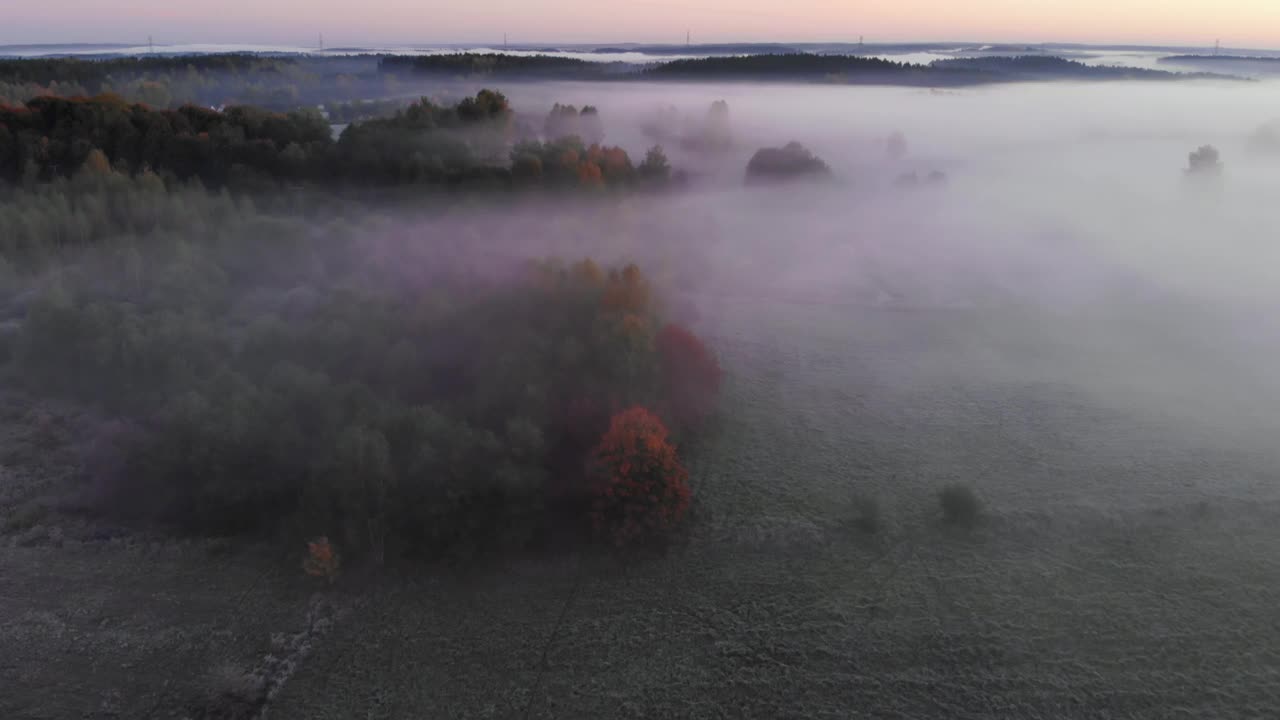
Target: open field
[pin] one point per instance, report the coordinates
(1128, 566)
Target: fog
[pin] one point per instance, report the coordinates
(1069, 239)
(1028, 302)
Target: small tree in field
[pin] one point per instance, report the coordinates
(640, 489)
(322, 560)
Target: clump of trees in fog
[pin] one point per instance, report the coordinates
(710, 133)
(1204, 162)
(566, 121)
(789, 162)
(715, 134)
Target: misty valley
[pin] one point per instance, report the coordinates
(775, 385)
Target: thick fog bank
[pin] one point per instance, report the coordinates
(1067, 229)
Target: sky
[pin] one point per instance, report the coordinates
(1237, 23)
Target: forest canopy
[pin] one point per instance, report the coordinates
(258, 372)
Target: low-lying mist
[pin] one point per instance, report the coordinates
(1068, 228)
(1034, 241)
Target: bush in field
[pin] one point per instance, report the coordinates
(960, 505)
(322, 560)
(640, 489)
(690, 375)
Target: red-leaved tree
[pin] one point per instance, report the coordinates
(690, 375)
(640, 489)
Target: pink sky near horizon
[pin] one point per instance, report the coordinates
(1238, 23)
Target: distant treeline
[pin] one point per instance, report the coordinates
(505, 66)
(787, 65)
(1047, 67)
(288, 82)
(275, 82)
(472, 143)
(861, 69)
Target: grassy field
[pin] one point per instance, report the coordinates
(1127, 566)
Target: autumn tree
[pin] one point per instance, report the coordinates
(640, 489)
(690, 376)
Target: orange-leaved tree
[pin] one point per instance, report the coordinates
(322, 560)
(640, 489)
(690, 375)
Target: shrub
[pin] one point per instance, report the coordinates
(230, 693)
(322, 560)
(640, 490)
(690, 374)
(960, 506)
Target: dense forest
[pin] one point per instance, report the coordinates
(471, 144)
(258, 371)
